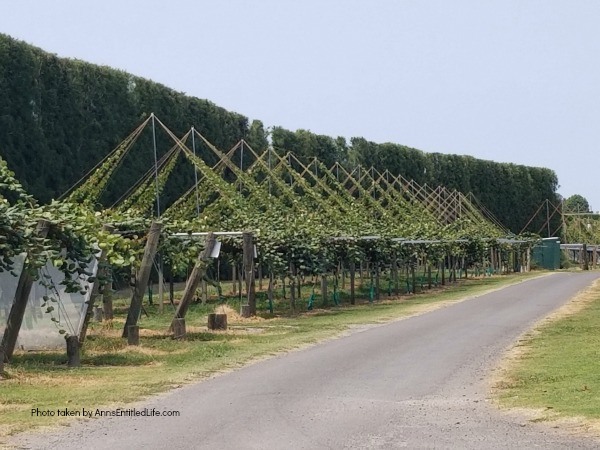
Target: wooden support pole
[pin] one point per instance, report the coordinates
(143, 275)
(352, 268)
(324, 299)
(133, 335)
(1, 362)
(98, 314)
(102, 274)
(394, 273)
(248, 255)
(270, 293)
(73, 351)
(413, 275)
(293, 293)
(377, 283)
(17, 310)
(161, 287)
(234, 278)
(107, 303)
(179, 328)
(429, 280)
(204, 291)
(442, 265)
(193, 280)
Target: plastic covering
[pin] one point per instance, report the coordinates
(38, 330)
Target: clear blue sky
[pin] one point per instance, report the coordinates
(506, 80)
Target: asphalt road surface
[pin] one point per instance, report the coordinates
(414, 383)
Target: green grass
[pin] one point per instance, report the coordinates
(557, 368)
(114, 373)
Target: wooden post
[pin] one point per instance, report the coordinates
(73, 353)
(343, 275)
(324, 299)
(248, 249)
(394, 272)
(17, 310)
(179, 328)
(260, 278)
(270, 293)
(107, 292)
(240, 279)
(192, 282)
(204, 291)
(143, 275)
(102, 272)
(217, 321)
(245, 311)
(161, 287)
(234, 278)
(293, 293)
(1, 362)
(133, 335)
(413, 275)
(429, 280)
(442, 264)
(586, 262)
(362, 274)
(377, 273)
(352, 268)
(98, 314)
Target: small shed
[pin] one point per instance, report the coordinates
(546, 253)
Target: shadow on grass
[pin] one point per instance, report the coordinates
(56, 361)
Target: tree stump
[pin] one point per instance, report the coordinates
(179, 329)
(217, 321)
(73, 355)
(133, 335)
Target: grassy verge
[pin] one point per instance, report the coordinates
(556, 368)
(113, 373)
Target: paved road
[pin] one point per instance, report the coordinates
(415, 383)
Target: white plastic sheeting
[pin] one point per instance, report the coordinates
(38, 330)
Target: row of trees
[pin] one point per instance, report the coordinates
(59, 117)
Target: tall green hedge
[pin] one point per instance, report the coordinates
(59, 117)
